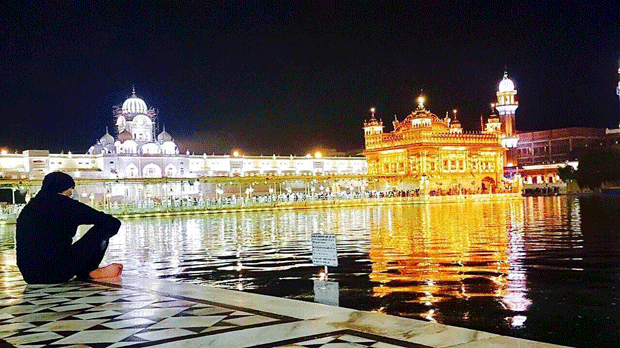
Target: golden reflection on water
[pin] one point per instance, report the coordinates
(435, 249)
(434, 253)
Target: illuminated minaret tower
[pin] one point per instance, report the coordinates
(506, 108)
(373, 137)
(373, 130)
(507, 105)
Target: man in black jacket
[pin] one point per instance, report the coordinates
(46, 227)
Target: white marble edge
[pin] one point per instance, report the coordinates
(275, 305)
(318, 318)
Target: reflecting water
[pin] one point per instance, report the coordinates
(544, 268)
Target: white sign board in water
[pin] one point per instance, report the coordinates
(324, 250)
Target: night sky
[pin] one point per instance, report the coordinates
(287, 77)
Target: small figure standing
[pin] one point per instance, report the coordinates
(46, 227)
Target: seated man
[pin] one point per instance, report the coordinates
(45, 228)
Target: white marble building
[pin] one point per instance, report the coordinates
(138, 152)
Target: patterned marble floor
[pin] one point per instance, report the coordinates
(143, 313)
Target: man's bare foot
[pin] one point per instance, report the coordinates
(110, 271)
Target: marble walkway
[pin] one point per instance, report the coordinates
(155, 313)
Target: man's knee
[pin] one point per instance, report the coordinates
(113, 228)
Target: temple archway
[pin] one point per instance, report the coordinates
(151, 171)
(488, 185)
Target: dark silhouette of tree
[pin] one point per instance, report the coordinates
(567, 173)
(597, 167)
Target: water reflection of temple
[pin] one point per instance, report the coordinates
(437, 256)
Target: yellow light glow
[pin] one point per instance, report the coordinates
(421, 100)
(4, 151)
(393, 151)
(454, 111)
(372, 110)
(322, 276)
(318, 154)
(236, 153)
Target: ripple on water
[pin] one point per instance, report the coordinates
(523, 268)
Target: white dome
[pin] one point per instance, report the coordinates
(164, 136)
(134, 105)
(106, 139)
(506, 84)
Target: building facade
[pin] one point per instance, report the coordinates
(426, 153)
(541, 153)
(138, 163)
(137, 151)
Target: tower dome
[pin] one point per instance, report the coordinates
(134, 105)
(164, 136)
(124, 135)
(107, 138)
(506, 84)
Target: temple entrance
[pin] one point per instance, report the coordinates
(488, 185)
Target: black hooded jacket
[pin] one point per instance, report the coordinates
(45, 229)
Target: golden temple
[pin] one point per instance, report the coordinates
(425, 154)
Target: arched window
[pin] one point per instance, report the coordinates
(151, 171)
(171, 171)
(131, 171)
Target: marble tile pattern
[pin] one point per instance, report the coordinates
(137, 312)
(99, 315)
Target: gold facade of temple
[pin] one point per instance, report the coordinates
(431, 155)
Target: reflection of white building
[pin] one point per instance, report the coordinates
(138, 152)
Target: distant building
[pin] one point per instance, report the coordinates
(541, 153)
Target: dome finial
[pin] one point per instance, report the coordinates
(421, 102)
(133, 90)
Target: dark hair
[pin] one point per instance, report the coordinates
(57, 182)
